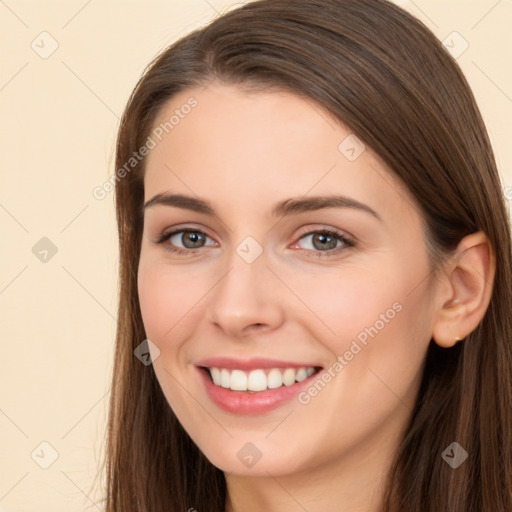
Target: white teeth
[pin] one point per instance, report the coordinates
(301, 374)
(238, 380)
(274, 379)
(225, 378)
(215, 373)
(259, 380)
(289, 376)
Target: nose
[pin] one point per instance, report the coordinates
(246, 299)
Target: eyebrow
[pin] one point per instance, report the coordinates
(291, 206)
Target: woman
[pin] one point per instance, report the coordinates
(316, 257)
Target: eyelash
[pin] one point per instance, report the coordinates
(321, 254)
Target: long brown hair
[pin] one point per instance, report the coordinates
(384, 75)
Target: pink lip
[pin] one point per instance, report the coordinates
(247, 403)
(250, 364)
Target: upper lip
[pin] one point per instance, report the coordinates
(251, 364)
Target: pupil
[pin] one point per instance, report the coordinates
(193, 237)
(324, 239)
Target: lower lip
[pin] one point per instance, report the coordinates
(246, 403)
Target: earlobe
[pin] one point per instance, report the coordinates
(468, 281)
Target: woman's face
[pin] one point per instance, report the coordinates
(260, 285)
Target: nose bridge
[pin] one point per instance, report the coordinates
(245, 295)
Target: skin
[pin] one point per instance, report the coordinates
(243, 152)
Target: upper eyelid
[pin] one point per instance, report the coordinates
(180, 229)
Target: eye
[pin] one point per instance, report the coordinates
(325, 242)
(189, 239)
(322, 243)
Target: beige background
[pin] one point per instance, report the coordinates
(58, 120)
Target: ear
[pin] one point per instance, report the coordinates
(465, 290)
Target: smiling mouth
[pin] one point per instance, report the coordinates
(258, 380)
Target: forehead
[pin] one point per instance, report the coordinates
(253, 147)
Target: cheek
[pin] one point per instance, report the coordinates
(378, 350)
(168, 299)
(342, 306)
(390, 347)
(376, 324)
